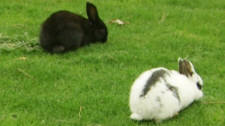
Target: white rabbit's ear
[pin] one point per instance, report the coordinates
(185, 67)
(92, 12)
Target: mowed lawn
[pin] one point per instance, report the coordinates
(90, 86)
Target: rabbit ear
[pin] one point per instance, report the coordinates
(185, 67)
(92, 12)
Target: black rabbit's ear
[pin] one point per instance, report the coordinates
(185, 67)
(92, 12)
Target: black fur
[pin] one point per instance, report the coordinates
(64, 30)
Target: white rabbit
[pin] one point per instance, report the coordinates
(159, 93)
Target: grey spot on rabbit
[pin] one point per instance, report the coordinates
(174, 91)
(158, 99)
(155, 78)
(152, 80)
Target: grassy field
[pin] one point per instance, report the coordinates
(90, 86)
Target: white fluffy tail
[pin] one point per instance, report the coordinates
(135, 116)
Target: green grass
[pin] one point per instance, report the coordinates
(90, 86)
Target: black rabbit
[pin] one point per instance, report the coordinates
(64, 31)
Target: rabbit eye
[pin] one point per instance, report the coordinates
(199, 86)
